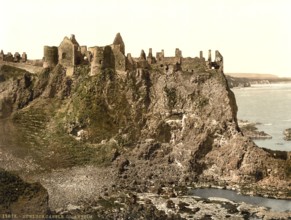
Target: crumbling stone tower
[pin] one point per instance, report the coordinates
(118, 49)
(97, 55)
(118, 42)
(1, 55)
(217, 63)
(23, 57)
(17, 57)
(51, 57)
(150, 58)
(110, 56)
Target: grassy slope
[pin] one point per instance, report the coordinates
(42, 127)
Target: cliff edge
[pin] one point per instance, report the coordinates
(151, 126)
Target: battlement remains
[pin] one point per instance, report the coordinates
(70, 53)
(16, 58)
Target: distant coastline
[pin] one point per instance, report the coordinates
(248, 79)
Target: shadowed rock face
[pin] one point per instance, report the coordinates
(19, 197)
(191, 134)
(154, 126)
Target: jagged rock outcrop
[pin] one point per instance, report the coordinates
(16, 89)
(19, 87)
(237, 82)
(250, 130)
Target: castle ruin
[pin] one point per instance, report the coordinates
(70, 54)
(16, 58)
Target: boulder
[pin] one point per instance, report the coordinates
(21, 198)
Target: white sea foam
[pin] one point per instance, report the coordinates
(268, 124)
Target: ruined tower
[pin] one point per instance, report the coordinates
(118, 49)
(142, 60)
(17, 57)
(209, 56)
(142, 56)
(68, 52)
(1, 55)
(218, 61)
(178, 53)
(118, 42)
(24, 57)
(130, 63)
(160, 56)
(8, 57)
(178, 56)
(150, 58)
(50, 56)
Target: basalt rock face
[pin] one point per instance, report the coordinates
(187, 121)
(191, 134)
(154, 126)
(15, 90)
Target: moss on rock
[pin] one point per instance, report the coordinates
(19, 197)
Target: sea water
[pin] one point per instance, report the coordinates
(269, 105)
(274, 204)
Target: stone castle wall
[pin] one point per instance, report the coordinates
(190, 64)
(26, 66)
(119, 57)
(17, 58)
(70, 53)
(66, 53)
(97, 61)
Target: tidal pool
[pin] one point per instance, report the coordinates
(273, 204)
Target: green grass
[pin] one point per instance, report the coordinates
(10, 72)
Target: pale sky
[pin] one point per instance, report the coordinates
(254, 36)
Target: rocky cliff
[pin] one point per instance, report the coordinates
(149, 127)
(237, 82)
